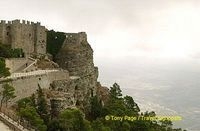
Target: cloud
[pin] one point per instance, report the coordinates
(147, 27)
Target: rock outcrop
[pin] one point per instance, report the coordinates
(76, 56)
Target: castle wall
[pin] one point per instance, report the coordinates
(15, 32)
(41, 39)
(5, 36)
(15, 63)
(2, 30)
(29, 36)
(26, 86)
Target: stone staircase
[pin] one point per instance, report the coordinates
(28, 66)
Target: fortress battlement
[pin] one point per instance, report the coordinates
(29, 36)
(17, 21)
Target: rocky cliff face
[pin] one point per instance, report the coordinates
(76, 56)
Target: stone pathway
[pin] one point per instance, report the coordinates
(37, 72)
(9, 120)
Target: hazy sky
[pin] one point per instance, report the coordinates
(153, 28)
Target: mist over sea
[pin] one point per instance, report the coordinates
(166, 86)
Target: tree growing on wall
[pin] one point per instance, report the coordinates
(8, 93)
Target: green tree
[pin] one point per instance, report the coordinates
(22, 103)
(98, 125)
(115, 91)
(42, 105)
(166, 124)
(33, 100)
(121, 106)
(96, 108)
(8, 93)
(73, 120)
(131, 106)
(126, 126)
(54, 125)
(27, 110)
(30, 114)
(7, 52)
(4, 71)
(115, 106)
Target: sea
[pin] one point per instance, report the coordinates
(168, 86)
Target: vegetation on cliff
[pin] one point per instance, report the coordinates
(102, 117)
(54, 42)
(96, 118)
(34, 110)
(7, 94)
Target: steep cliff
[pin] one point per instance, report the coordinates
(76, 56)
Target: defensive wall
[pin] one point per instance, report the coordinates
(15, 64)
(26, 84)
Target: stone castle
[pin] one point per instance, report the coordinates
(69, 81)
(29, 36)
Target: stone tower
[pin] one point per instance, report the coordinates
(29, 36)
(76, 56)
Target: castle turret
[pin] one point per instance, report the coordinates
(41, 38)
(5, 36)
(15, 32)
(2, 31)
(76, 55)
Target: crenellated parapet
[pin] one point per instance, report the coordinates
(17, 21)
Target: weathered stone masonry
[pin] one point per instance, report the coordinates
(76, 56)
(25, 86)
(29, 36)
